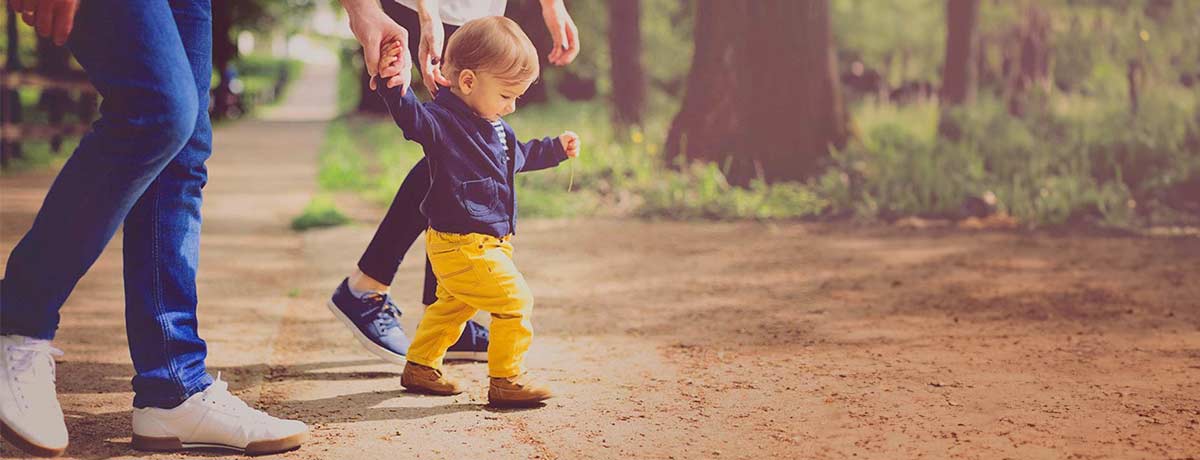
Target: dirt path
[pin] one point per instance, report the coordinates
(683, 340)
(691, 340)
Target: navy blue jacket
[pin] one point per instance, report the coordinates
(472, 189)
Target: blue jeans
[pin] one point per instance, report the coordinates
(142, 164)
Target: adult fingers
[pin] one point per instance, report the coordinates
(64, 21)
(572, 48)
(439, 78)
(556, 53)
(429, 65)
(403, 78)
(44, 18)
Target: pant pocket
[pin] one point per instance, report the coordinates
(448, 260)
(450, 264)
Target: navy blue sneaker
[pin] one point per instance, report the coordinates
(471, 345)
(374, 320)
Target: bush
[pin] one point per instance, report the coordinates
(1076, 161)
(1103, 165)
(320, 212)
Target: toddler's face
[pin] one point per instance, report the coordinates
(492, 98)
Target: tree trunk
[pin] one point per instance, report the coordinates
(763, 98)
(1134, 76)
(628, 75)
(224, 51)
(10, 102)
(958, 69)
(1033, 61)
(959, 66)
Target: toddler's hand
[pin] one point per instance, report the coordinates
(394, 65)
(570, 142)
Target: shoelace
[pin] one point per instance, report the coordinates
(24, 356)
(388, 316)
(218, 393)
(480, 334)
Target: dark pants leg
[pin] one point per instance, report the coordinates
(404, 221)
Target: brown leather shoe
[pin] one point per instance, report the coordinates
(519, 391)
(425, 379)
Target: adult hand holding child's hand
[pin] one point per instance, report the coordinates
(393, 70)
(373, 28)
(570, 142)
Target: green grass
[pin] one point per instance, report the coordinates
(320, 212)
(614, 175)
(1077, 161)
(259, 75)
(37, 155)
(347, 77)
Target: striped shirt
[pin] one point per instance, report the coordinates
(500, 132)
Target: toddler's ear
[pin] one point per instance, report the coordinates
(466, 81)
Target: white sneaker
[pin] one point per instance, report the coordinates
(215, 418)
(30, 415)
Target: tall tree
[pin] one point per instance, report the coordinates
(959, 68)
(10, 101)
(1030, 57)
(625, 48)
(224, 52)
(763, 98)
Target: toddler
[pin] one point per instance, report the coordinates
(471, 205)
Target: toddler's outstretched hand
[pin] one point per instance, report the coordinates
(393, 67)
(570, 142)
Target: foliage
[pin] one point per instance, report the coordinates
(265, 78)
(288, 16)
(666, 45)
(320, 212)
(613, 176)
(1084, 161)
(903, 50)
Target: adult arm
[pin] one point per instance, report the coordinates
(429, 50)
(562, 30)
(373, 28)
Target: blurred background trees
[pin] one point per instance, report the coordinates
(47, 100)
(1049, 112)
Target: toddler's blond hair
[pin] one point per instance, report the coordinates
(495, 45)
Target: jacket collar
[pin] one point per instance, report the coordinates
(455, 104)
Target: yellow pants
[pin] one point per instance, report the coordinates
(475, 272)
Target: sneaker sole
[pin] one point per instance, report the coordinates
(477, 356)
(28, 446)
(170, 444)
(375, 349)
